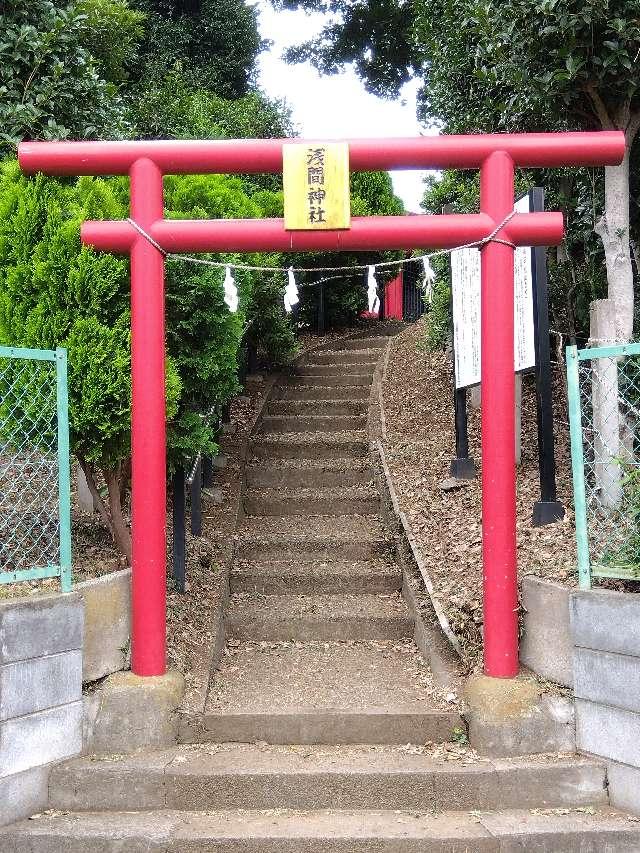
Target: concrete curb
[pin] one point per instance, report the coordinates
(376, 422)
(404, 532)
(444, 663)
(433, 636)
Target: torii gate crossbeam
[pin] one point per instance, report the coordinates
(496, 155)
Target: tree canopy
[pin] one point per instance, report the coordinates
(573, 61)
(515, 65)
(60, 65)
(213, 43)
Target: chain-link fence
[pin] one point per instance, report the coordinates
(35, 529)
(604, 409)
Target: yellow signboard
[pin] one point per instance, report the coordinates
(316, 186)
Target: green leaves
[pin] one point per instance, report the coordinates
(54, 292)
(213, 44)
(50, 82)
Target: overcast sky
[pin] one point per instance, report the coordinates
(334, 106)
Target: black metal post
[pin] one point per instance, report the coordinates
(382, 295)
(462, 467)
(243, 364)
(252, 357)
(207, 472)
(548, 509)
(179, 543)
(322, 320)
(196, 500)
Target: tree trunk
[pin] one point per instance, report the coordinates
(110, 512)
(606, 408)
(125, 479)
(612, 322)
(121, 532)
(97, 497)
(613, 229)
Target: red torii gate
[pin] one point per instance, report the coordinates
(496, 156)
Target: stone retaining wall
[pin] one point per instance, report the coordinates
(590, 640)
(547, 644)
(40, 696)
(606, 663)
(107, 624)
(49, 646)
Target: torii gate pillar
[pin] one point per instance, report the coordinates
(495, 155)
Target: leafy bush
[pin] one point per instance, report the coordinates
(439, 321)
(203, 337)
(51, 84)
(54, 292)
(270, 330)
(261, 303)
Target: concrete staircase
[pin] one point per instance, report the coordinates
(321, 721)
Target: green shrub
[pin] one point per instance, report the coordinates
(54, 292)
(439, 322)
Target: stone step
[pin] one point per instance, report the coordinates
(318, 407)
(312, 502)
(312, 539)
(315, 578)
(327, 692)
(373, 342)
(297, 391)
(318, 423)
(346, 356)
(247, 776)
(325, 831)
(306, 551)
(316, 379)
(250, 616)
(311, 446)
(336, 369)
(312, 474)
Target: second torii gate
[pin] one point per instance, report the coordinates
(497, 157)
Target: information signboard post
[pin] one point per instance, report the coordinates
(465, 291)
(531, 350)
(548, 509)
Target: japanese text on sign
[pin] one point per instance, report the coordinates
(465, 286)
(316, 186)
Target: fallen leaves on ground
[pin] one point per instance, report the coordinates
(447, 524)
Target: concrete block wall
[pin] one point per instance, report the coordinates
(40, 696)
(107, 624)
(547, 644)
(606, 665)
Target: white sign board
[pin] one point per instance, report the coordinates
(465, 286)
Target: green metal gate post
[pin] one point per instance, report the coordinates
(64, 474)
(577, 465)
